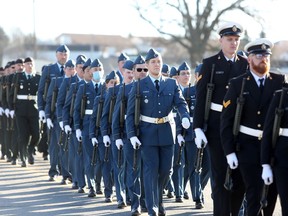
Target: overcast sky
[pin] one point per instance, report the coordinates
(54, 17)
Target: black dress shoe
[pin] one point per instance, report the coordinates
(23, 164)
(9, 159)
(51, 178)
(199, 205)
(81, 190)
(144, 209)
(91, 193)
(186, 195)
(108, 200)
(45, 155)
(135, 212)
(98, 188)
(30, 159)
(13, 162)
(170, 194)
(2, 157)
(179, 200)
(162, 211)
(63, 182)
(121, 205)
(74, 186)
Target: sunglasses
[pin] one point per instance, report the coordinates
(142, 69)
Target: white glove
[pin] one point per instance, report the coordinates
(67, 129)
(61, 125)
(42, 116)
(79, 135)
(119, 143)
(267, 174)
(7, 113)
(94, 141)
(185, 123)
(180, 139)
(1, 111)
(135, 142)
(49, 123)
(12, 113)
(200, 138)
(232, 160)
(106, 141)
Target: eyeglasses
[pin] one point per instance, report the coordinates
(142, 69)
(185, 74)
(262, 55)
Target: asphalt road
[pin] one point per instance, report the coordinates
(27, 191)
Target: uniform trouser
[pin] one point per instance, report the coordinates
(43, 145)
(7, 137)
(133, 182)
(27, 125)
(87, 149)
(78, 175)
(119, 175)
(157, 167)
(63, 155)
(106, 168)
(254, 185)
(197, 181)
(281, 178)
(178, 172)
(15, 138)
(224, 201)
(54, 149)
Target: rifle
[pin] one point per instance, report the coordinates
(73, 101)
(136, 122)
(47, 83)
(82, 114)
(119, 158)
(7, 98)
(97, 127)
(279, 111)
(54, 97)
(66, 142)
(111, 109)
(79, 150)
(228, 184)
(60, 141)
(122, 112)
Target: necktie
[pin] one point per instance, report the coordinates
(29, 76)
(157, 84)
(261, 86)
(62, 71)
(96, 88)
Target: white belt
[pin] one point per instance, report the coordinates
(156, 120)
(216, 107)
(26, 97)
(88, 112)
(283, 132)
(251, 131)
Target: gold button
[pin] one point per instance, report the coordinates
(258, 112)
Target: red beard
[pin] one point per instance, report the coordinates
(261, 68)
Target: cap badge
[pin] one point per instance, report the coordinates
(234, 28)
(263, 46)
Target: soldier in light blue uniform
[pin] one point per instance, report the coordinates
(157, 128)
(97, 139)
(83, 110)
(121, 141)
(106, 131)
(122, 58)
(78, 175)
(65, 152)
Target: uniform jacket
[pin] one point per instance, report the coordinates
(156, 105)
(48, 73)
(223, 72)
(280, 153)
(253, 114)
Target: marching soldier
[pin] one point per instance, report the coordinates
(274, 146)
(256, 87)
(156, 129)
(97, 139)
(24, 96)
(121, 61)
(216, 71)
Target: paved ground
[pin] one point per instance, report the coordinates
(26, 191)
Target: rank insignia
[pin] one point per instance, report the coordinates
(263, 46)
(234, 28)
(226, 103)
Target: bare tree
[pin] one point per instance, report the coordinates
(189, 23)
(4, 41)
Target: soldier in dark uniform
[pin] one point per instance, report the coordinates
(157, 128)
(2, 113)
(26, 110)
(258, 90)
(221, 67)
(121, 61)
(276, 154)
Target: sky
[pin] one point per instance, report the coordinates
(117, 17)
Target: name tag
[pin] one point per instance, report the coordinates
(219, 72)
